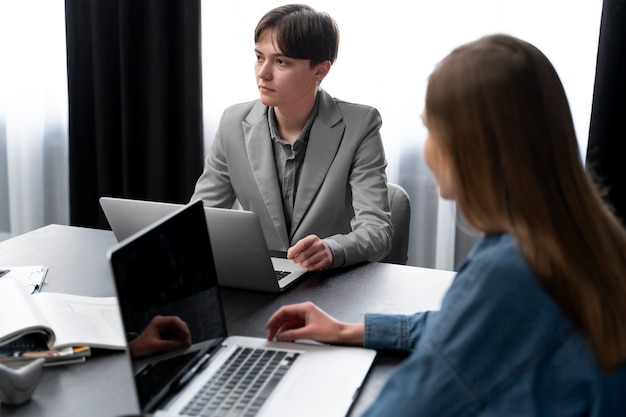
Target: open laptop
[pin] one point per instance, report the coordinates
(241, 255)
(167, 270)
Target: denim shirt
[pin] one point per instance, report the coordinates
(499, 346)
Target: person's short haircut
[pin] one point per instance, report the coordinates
(302, 32)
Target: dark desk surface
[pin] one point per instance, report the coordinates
(77, 263)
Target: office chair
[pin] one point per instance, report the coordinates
(400, 219)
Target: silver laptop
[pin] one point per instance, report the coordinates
(241, 255)
(167, 270)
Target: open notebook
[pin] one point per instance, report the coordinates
(241, 255)
(167, 269)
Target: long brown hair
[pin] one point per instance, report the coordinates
(502, 116)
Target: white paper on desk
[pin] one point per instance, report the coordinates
(81, 320)
(19, 313)
(26, 274)
(67, 319)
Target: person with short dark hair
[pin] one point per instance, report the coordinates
(310, 166)
(534, 323)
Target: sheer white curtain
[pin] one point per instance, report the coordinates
(386, 53)
(33, 115)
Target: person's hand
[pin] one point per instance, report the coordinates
(163, 333)
(307, 321)
(311, 253)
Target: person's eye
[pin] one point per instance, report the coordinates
(281, 62)
(259, 58)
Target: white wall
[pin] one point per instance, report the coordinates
(388, 49)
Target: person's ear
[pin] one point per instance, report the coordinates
(321, 71)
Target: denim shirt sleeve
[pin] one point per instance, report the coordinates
(493, 310)
(394, 332)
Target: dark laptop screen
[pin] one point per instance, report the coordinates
(168, 270)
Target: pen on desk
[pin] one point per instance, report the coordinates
(3, 272)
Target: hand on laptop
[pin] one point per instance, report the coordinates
(308, 321)
(311, 253)
(163, 333)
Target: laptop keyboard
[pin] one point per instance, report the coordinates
(281, 274)
(242, 384)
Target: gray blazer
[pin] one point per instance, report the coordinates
(342, 193)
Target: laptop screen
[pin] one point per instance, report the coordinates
(168, 270)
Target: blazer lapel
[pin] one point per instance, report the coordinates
(261, 158)
(324, 140)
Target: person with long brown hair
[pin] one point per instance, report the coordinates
(535, 320)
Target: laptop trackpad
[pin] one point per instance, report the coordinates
(310, 388)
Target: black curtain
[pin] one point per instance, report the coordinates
(135, 102)
(606, 151)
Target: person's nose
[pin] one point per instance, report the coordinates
(264, 71)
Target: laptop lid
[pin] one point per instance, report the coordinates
(239, 248)
(152, 279)
(167, 270)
